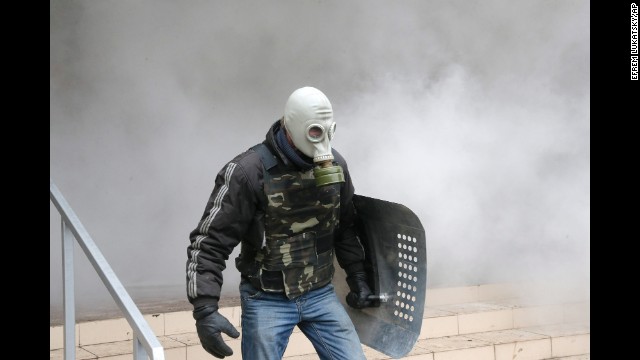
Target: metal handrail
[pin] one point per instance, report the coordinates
(145, 342)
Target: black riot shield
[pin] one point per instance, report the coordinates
(396, 261)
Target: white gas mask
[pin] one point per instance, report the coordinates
(308, 119)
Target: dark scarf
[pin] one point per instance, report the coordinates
(304, 163)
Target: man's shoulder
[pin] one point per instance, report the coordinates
(247, 166)
(248, 159)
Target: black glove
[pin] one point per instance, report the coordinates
(209, 328)
(357, 297)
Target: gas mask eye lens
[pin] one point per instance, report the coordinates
(315, 133)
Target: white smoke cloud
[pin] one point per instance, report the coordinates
(473, 114)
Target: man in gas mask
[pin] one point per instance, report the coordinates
(288, 202)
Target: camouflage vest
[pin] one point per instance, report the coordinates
(299, 224)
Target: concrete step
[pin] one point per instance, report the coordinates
(460, 323)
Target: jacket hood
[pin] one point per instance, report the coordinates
(272, 143)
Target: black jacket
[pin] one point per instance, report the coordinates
(234, 214)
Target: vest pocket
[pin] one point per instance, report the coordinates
(292, 252)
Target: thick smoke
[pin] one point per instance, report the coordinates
(475, 114)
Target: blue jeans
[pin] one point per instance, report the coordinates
(268, 319)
